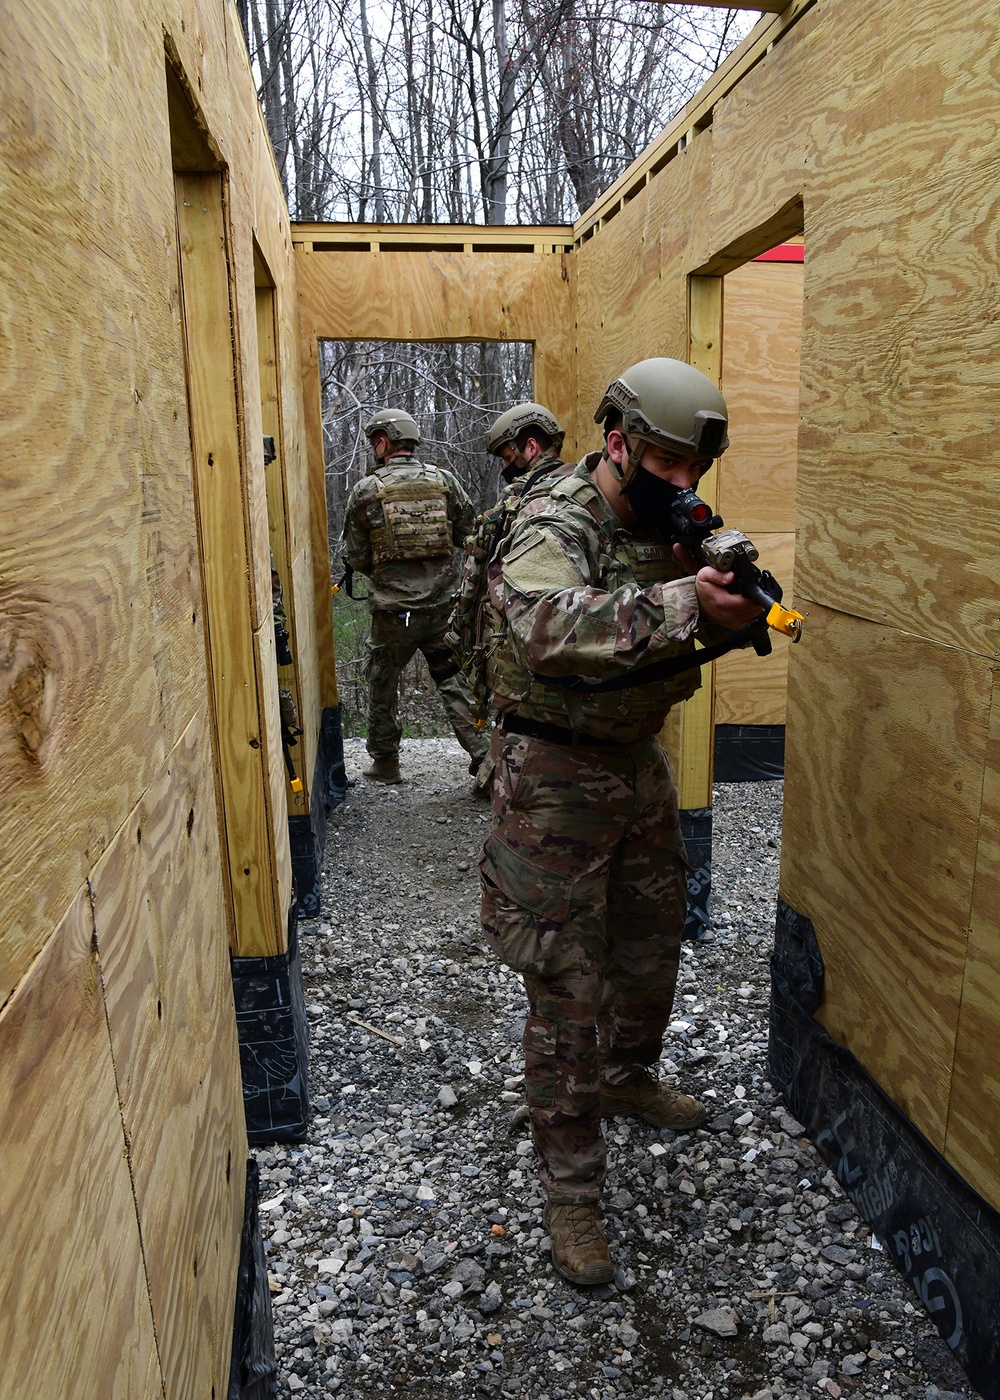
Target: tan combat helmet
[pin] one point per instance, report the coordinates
(671, 404)
(509, 426)
(398, 427)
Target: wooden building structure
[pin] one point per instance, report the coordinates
(159, 323)
(150, 345)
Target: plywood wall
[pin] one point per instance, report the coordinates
(854, 130)
(762, 335)
(134, 569)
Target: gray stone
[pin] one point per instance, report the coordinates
(837, 1254)
(718, 1320)
(491, 1300)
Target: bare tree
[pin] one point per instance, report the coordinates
(454, 391)
(471, 110)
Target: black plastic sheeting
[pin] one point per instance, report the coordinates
(939, 1232)
(307, 831)
(332, 750)
(696, 828)
(253, 1370)
(749, 753)
(273, 1036)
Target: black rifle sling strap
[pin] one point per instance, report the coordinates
(649, 675)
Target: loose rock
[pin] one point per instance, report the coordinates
(405, 1245)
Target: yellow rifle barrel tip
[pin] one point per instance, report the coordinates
(785, 620)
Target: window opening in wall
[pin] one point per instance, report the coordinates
(454, 390)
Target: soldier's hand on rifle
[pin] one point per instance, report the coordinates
(715, 600)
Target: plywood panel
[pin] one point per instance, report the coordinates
(760, 379)
(884, 774)
(102, 676)
(750, 689)
(973, 1141)
(630, 308)
(75, 1316)
(164, 956)
(430, 296)
(100, 617)
(243, 709)
(440, 296)
(902, 319)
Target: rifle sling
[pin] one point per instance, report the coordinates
(648, 675)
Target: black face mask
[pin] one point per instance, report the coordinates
(651, 498)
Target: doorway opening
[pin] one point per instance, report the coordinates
(454, 390)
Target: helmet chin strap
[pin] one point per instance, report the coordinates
(634, 456)
(512, 470)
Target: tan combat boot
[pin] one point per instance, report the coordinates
(579, 1247)
(384, 769)
(643, 1096)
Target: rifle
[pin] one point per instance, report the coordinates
(290, 734)
(346, 582)
(693, 524)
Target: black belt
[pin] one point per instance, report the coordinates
(554, 733)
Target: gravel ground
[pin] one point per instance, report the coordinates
(404, 1238)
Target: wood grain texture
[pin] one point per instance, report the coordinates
(750, 689)
(75, 1315)
(760, 379)
(102, 675)
(244, 706)
(859, 124)
(631, 278)
(276, 782)
(164, 959)
(100, 616)
(973, 1139)
(884, 775)
(443, 296)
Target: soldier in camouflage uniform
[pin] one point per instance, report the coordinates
(528, 439)
(583, 872)
(403, 523)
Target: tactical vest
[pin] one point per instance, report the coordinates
(414, 522)
(622, 559)
(471, 632)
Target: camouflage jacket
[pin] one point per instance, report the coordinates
(470, 626)
(573, 593)
(403, 523)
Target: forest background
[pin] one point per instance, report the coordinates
(457, 112)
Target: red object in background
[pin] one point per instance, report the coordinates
(784, 252)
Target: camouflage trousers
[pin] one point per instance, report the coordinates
(395, 639)
(584, 893)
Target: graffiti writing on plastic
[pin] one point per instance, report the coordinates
(914, 1247)
(917, 1246)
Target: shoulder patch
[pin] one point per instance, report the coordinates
(538, 565)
